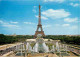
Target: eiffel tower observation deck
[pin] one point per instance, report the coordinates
(39, 30)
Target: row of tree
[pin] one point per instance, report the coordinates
(20, 38)
(66, 39)
(4, 39)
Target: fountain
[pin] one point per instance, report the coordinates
(21, 50)
(40, 45)
(45, 47)
(23, 47)
(16, 47)
(53, 49)
(28, 47)
(35, 48)
(57, 47)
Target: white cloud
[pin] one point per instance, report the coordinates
(34, 9)
(59, 1)
(71, 27)
(36, 16)
(10, 25)
(66, 25)
(35, 6)
(55, 14)
(29, 23)
(57, 24)
(70, 19)
(46, 26)
(42, 17)
(13, 22)
(7, 24)
(62, 25)
(1, 21)
(74, 4)
(74, 27)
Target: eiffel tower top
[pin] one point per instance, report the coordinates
(39, 21)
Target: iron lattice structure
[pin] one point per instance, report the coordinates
(39, 26)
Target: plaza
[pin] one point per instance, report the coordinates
(39, 49)
(39, 45)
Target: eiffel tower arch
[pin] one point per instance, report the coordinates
(39, 26)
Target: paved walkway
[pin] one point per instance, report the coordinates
(3, 47)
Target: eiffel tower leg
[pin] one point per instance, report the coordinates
(37, 28)
(41, 28)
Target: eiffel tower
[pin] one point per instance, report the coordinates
(39, 26)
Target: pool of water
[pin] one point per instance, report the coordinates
(19, 54)
(63, 54)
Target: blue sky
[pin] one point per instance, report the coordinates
(59, 17)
